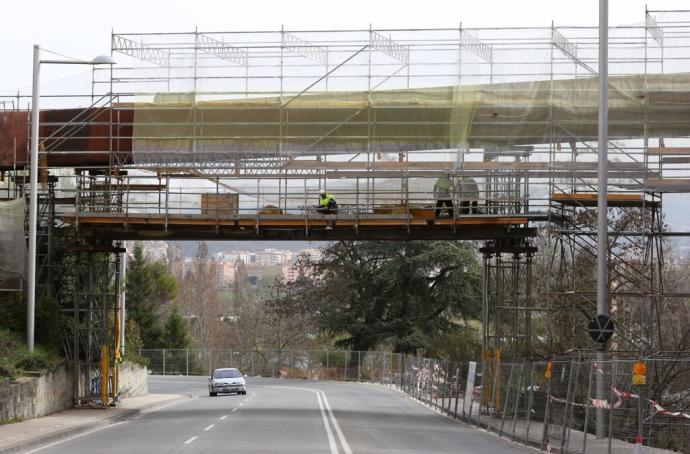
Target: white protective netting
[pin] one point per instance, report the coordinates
(12, 243)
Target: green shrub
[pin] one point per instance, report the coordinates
(15, 356)
(38, 360)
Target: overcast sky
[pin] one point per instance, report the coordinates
(81, 28)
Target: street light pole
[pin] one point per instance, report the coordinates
(33, 201)
(33, 181)
(602, 204)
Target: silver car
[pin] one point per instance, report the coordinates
(226, 380)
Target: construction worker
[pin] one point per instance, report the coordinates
(327, 203)
(469, 196)
(442, 193)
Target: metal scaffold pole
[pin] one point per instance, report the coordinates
(602, 205)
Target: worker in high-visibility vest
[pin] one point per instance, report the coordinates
(327, 203)
(442, 193)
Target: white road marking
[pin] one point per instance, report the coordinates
(152, 409)
(329, 433)
(107, 426)
(241, 403)
(341, 436)
(211, 426)
(191, 440)
(234, 410)
(223, 417)
(76, 436)
(200, 382)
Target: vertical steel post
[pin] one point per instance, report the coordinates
(457, 392)
(611, 404)
(123, 293)
(516, 408)
(640, 415)
(33, 202)
(545, 431)
(530, 401)
(443, 392)
(602, 202)
(565, 433)
(589, 397)
(359, 366)
(383, 368)
(506, 399)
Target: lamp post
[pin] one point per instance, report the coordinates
(602, 203)
(33, 196)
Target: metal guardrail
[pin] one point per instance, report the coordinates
(515, 400)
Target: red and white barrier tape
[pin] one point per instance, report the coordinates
(596, 403)
(657, 407)
(603, 403)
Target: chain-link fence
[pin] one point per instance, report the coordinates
(552, 406)
(377, 367)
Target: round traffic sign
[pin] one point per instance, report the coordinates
(601, 328)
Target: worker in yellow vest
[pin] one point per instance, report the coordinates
(442, 192)
(327, 203)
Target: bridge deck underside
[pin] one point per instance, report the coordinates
(290, 227)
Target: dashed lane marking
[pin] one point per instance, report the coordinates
(209, 427)
(223, 417)
(191, 440)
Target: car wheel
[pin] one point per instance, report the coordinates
(212, 394)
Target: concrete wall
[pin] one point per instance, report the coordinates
(31, 397)
(134, 380)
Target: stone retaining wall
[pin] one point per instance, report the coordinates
(31, 397)
(134, 380)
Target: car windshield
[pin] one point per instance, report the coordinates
(230, 373)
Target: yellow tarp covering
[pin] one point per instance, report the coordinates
(174, 128)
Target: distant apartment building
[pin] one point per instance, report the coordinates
(314, 255)
(273, 257)
(244, 257)
(225, 273)
(155, 250)
(290, 273)
(267, 257)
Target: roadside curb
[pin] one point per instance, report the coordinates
(86, 427)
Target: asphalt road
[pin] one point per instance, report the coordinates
(286, 416)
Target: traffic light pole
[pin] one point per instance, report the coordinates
(602, 207)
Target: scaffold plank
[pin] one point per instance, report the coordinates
(614, 200)
(677, 185)
(478, 221)
(665, 151)
(288, 221)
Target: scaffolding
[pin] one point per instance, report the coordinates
(232, 135)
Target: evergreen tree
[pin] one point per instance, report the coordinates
(175, 335)
(140, 305)
(404, 293)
